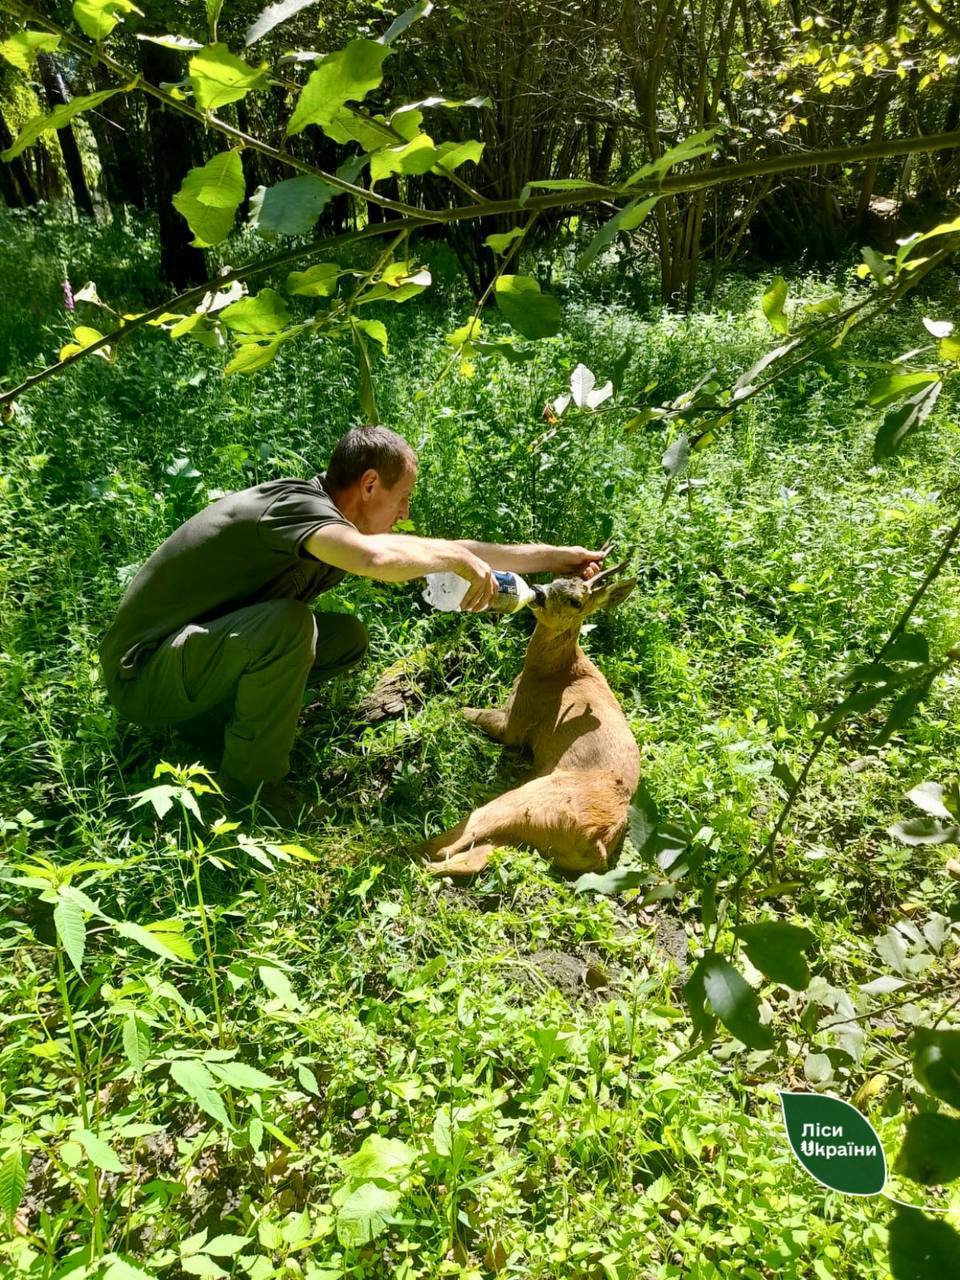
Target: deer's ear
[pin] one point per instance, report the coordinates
(616, 593)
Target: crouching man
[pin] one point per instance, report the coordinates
(217, 625)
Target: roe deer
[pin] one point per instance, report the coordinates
(574, 808)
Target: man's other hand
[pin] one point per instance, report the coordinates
(579, 562)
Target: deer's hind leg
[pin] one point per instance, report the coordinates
(491, 720)
(546, 812)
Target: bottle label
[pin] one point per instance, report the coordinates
(506, 584)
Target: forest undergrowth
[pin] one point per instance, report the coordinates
(282, 1053)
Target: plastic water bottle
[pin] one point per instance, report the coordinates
(446, 591)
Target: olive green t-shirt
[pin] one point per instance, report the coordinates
(240, 550)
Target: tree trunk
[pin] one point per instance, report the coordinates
(16, 188)
(118, 128)
(175, 150)
(57, 94)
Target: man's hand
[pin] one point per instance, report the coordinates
(483, 585)
(578, 562)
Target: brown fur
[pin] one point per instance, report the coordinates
(586, 762)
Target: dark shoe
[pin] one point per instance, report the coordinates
(285, 804)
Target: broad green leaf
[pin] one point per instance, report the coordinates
(210, 196)
(252, 356)
(744, 383)
(71, 930)
(57, 119)
(374, 329)
(628, 219)
(272, 16)
(367, 390)
(772, 303)
(213, 16)
(644, 817)
(264, 313)
(97, 18)
(777, 951)
(13, 1183)
(466, 334)
(909, 646)
(734, 1002)
(936, 1063)
(218, 77)
(451, 155)
(289, 208)
(239, 1076)
(99, 1151)
(168, 945)
(396, 284)
(895, 386)
(928, 796)
(199, 1264)
(319, 281)
(931, 1149)
(903, 709)
(825, 306)
(847, 1157)
(308, 1080)
(922, 1247)
(416, 11)
(199, 1085)
(504, 347)
(532, 313)
(949, 348)
(925, 831)
(137, 1043)
(675, 459)
(365, 1214)
(417, 156)
(182, 43)
(501, 243)
(380, 1158)
(226, 1246)
(117, 1268)
(610, 882)
(84, 336)
(879, 268)
(23, 48)
(349, 125)
(697, 144)
(345, 76)
(904, 419)
(695, 994)
(278, 984)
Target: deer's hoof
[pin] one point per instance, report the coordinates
(467, 863)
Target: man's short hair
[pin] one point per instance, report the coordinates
(363, 448)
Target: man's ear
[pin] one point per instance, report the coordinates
(368, 480)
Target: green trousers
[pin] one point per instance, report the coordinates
(247, 669)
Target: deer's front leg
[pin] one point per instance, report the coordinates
(492, 720)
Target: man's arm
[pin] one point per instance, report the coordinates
(537, 557)
(398, 557)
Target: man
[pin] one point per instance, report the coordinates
(217, 623)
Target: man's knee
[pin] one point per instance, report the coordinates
(290, 625)
(342, 642)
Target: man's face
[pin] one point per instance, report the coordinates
(383, 507)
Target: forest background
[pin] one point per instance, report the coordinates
(228, 234)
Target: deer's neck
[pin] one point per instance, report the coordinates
(552, 652)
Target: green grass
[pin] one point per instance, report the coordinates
(525, 1042)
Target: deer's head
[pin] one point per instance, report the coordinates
(568, 602)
